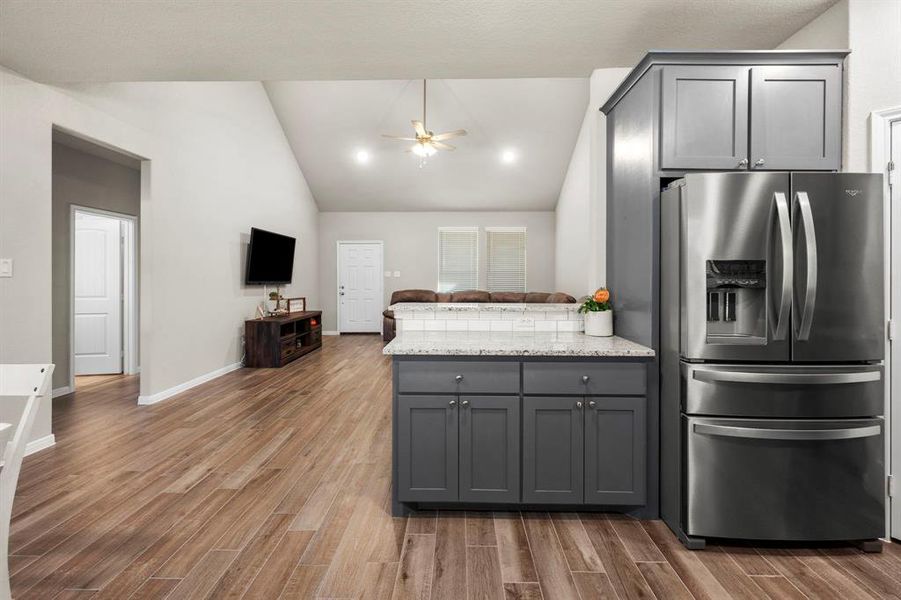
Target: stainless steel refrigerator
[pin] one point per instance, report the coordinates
(772, 340)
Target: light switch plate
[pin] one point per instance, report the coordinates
(397, 273)
(6, 267)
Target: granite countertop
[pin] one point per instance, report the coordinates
(485, 343)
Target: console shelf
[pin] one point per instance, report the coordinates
(276, 341)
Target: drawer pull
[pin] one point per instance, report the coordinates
(786, 378)
(458, 378)
(585, 378)
(787, 434)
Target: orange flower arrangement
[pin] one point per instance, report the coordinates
(596, 302)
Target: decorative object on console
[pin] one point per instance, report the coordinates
(598, 314)
(296, 304)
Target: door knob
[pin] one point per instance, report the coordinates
(585, 378)
(759, 162)
(452, 403)
(579, 404)
(464, 402)
(458, 378)
(592, 404)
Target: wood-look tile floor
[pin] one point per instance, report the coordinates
(275, 484)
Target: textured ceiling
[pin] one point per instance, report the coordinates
(328, 122)
(115, 40)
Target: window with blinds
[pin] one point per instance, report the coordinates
(506, 259)
(458, 258)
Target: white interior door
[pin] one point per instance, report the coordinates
(97, 295)
(359, 287)
(894, 354)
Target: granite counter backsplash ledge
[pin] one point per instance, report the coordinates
(486, 343)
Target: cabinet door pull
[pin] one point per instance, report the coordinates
(759, 162)
(579, 404)
(452, 403)
(743, 162)
(592, 404)
(464, 402)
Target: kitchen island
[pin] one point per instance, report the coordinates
(515, 419)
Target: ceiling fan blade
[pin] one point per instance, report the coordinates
(420, 128)
(398, 137)
(448, 135)
(442, 145)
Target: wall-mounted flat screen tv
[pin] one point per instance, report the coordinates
(270, 258)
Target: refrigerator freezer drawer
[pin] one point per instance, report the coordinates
(790, 391)
(788, 480)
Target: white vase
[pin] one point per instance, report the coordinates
(272, 305)
(599, 323)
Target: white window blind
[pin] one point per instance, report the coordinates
(506, 259)
(458, 258)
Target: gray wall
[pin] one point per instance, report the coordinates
(85, 180)
(411, 247)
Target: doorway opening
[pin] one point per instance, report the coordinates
(360, 286)
(104, 294)
(96, 204)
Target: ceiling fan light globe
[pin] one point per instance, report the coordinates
(423, 150)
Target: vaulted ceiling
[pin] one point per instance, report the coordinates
(112, 40)
(335, 127)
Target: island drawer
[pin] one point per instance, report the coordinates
(457, 377)
(587, 379)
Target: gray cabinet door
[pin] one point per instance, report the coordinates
(796, 117)
(704, 117)
(615, 435)
(489, 448)
(552, 450)
(427, 448)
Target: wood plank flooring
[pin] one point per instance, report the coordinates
(275, 484)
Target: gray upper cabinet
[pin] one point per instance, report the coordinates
(489, 448)
(427, 448)
(704, 117)
(796, 117)
(615, 451)
(552, 457)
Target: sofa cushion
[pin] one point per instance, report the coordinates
(471, 296)
(444, 296)
(388, 314)
(560, 298)
(413, 296)
(505, 297)
(536, 297)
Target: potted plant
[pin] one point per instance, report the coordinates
(598, 313)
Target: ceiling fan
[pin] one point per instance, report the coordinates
(426, 143)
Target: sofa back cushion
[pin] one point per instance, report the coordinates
(560, 298)
(536, 297)
(471, 296)
(444, 296)
(413, 296)
(505, 297)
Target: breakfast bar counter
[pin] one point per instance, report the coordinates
(494, 419)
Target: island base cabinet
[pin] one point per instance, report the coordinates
(552, 458)
(427, 437)
(489, 448)
(615, 431)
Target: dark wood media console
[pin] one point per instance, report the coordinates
(276, 341)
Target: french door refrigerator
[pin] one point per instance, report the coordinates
(771, 347)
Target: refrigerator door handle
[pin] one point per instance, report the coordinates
(787, 434)
(786, 378)
(802, 205)
(785, 236)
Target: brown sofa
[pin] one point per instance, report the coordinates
(389, 325)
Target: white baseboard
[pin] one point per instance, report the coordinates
(62, 391)
(330, 332)
(39, 444)
(160, 396)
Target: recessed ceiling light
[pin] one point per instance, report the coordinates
(508, 157)
(362, 157)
